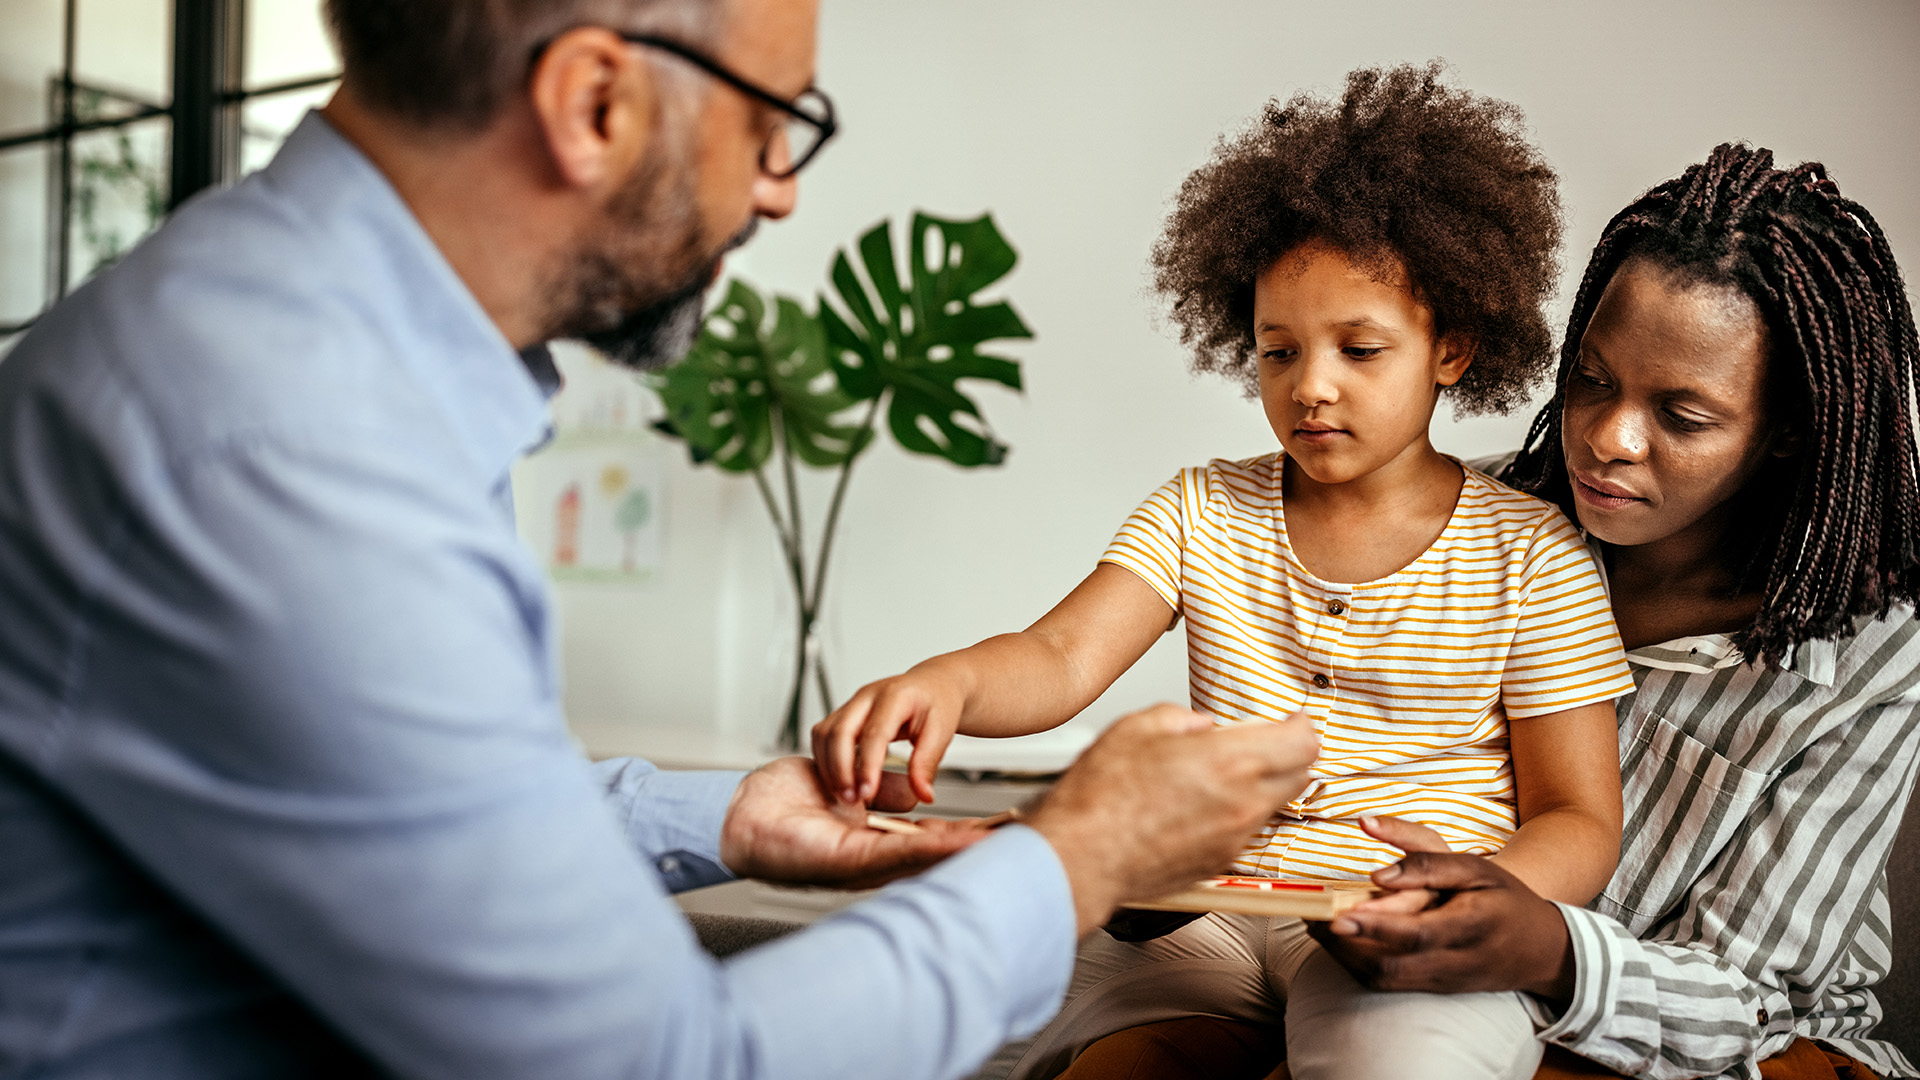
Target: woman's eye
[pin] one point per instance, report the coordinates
(1682, 423)
(1588, 379)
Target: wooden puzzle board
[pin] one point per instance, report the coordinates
(1319, 900)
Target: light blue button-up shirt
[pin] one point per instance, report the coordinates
(283, 770)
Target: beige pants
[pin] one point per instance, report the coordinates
(1261, 970)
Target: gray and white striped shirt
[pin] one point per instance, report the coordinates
(1750, 904)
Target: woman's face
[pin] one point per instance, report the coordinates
(1665, 415)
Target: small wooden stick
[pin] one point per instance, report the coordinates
(893, 825)
(904, 827)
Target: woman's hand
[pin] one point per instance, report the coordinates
(1483, 930)
(850, 746)
(1407, 836)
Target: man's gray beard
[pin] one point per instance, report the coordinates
(663, 331)
(638, 291)
(657, 334)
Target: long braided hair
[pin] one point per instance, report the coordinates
(1831, 533)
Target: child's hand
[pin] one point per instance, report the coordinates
(850, 746)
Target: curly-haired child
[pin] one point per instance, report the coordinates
(1449, 638)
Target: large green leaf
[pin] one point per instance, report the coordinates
(921, 338)
(744, 381)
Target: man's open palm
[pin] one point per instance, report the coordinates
(782, 827)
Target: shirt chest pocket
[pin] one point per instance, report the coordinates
(1684, 801)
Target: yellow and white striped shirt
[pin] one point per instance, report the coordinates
(1411, 678)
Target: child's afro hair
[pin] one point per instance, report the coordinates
(1401, 172)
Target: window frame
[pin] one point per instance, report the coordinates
(209, 89)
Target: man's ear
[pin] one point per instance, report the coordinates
(593, 98)
(1456, 356)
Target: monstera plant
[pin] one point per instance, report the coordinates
(810, 388)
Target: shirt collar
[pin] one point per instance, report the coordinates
(1814, 661)
(496, 397)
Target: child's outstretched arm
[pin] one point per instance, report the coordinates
(1566, 769)
(1013, 684)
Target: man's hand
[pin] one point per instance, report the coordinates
(1476, 927)
(781, 826)
(1165, 798)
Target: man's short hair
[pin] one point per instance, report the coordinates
(453, 63)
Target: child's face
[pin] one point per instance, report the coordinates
(1349, 366)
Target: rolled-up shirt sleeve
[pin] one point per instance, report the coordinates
(1713, 987)
(672, 818)
(1662, 1011)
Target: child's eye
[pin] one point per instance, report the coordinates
(1364, 352)
(1278, 355)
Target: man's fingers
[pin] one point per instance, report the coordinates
(1162, 719)
(889, 857)
(1403, 834)
(1280, 751)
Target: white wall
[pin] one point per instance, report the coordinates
(1074, 121)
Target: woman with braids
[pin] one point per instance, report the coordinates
(1734, 428)
(1447, 636)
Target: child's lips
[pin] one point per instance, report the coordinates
(1313, 432)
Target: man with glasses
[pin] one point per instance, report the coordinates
(285, 788)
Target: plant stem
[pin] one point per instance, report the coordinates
(790, 727)
(773, 511)
(804, 654)
(820, 678)
(810, 600)
(833, 508)
(793, 512)
(790, 547)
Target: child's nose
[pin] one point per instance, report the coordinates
(1315, 383)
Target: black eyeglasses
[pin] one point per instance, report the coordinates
(806, 121)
